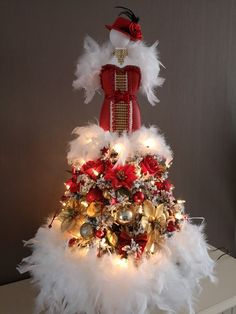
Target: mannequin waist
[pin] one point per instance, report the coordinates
(119, 96)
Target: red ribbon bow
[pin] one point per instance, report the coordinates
(125, 239)
(122, 96)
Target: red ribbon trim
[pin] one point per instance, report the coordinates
(118, 96)
(125, 239)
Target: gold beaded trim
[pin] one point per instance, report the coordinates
(121, 112)
(120, 54)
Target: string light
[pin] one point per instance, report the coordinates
(153, 248)
(178, 216)
(118, 147)
(67, 186)
(84, 203)
(150, 142)
(181, 202)
(95, 172)
(88, 140)
(122, 262)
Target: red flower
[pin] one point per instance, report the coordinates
(93, 195)
(135, 30)
(150, 165)
(165, 185)
(121, 176)
(93, 168)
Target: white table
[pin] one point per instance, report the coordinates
(18, 297)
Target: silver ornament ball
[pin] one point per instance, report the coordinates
(86, 230)
(125, 215)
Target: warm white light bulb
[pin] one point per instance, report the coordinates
(84, 203)
(178, 216)
(95, 172)
(81, 161)
(152, 248)
(122, 262)
(180, 201)
(118, 147)
(149, 143)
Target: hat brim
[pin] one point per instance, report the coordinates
(110, 27)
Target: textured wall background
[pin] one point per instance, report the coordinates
(40, 43)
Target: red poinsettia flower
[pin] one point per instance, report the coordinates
(150, 165)
(93, 168)
(121, 176)
(165, 185)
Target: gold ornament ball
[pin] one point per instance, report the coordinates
(112, 238)
(94, 209)
(106, 195)
(125, 215)
(86, 230)
(75, 231)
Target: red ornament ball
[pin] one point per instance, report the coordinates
(138, 197)
(72, 185)
(171, 226)
(72, 242)
(100, 233)
(94, 195)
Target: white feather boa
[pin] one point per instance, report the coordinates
(91, 139)
(73, 283)
(94, 57)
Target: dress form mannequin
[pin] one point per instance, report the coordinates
(120, 111)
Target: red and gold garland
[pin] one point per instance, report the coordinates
(125, 209)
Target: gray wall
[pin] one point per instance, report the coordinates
(40, 42)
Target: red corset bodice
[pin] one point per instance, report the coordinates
(120, 110)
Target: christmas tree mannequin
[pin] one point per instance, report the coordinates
(122, 243)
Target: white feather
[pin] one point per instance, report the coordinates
(72, 282)
(149, 141)
(89, 66)
(88, 144)
(94, 57)
(148, 61)
(91, 139)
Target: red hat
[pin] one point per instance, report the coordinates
(129, 27)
